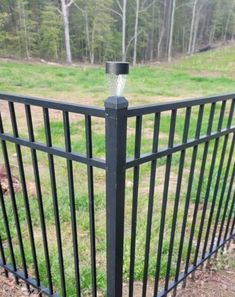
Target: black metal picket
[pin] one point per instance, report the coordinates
(213, 234)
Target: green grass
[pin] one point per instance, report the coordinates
(220, 60)
(200, 75)
(87, 85)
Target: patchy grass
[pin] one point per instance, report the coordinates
(82, 202)
(219, 61)
(200, 75)
(87, 85)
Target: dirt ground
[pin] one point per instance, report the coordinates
(210, 284)
(215, 280)
(8, 288)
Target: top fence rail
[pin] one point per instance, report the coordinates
(100, 112)
(153, 108)
(54, 104)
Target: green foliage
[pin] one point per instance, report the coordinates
(9, 42)
(95, 29)
(50, 32)
(34, 29)
(27, 29)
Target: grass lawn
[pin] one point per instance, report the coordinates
(200, 75)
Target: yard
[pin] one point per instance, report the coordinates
(189, 77)
(200, 75)
(216, 280)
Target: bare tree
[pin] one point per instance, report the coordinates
(196, 25)
(162, 12)
(121, 12)
(231, 12)
(124, 30)
(145, 6)
(152, 35)
(22, 18)
(65, 4)
(136, 31)
(192, 29)
(85, 14)
(172, 22)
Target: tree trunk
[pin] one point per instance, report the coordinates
(171, 30)
(233, 34)
(212, 34)
(92, 55)
(88, 35)
(22, 17)
(136, 31)
(159, 44)
(227, 22)
(65, 15)
(162, 13)
(124, 30)
(192, 27)
(151, 47)
(195, 32)
(183, 40)
(168, 7)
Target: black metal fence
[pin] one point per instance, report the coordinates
(170, 193)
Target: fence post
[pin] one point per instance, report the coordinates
(116, 130)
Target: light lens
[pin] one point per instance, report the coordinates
(117, 75)
(117, 84)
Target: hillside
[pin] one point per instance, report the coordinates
(199, 75)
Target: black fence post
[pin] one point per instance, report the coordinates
(116, 130)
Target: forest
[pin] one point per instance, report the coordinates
(92, 31)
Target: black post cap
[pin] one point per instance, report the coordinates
(117, 68)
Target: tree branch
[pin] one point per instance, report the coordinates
(183, 5)
(116, 12)
(130, 41)
(70, 3)
(60, 12)
(143, 4)
(119, 5)
(143, 9)
(79, 8)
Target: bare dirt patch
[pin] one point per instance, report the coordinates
(217, 280)
(211, 284)
(8, 288)
(5, 184)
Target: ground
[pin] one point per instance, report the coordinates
(211, 284)
(200, 75)
(217, 280)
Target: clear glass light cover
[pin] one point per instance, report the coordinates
(117, 84)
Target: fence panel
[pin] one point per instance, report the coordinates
(49, 237)
(116, 201)
(180, 175)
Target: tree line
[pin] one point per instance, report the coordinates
(98, 30)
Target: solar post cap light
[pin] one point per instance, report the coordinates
(117, 75)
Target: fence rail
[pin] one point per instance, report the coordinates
(168, 206)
